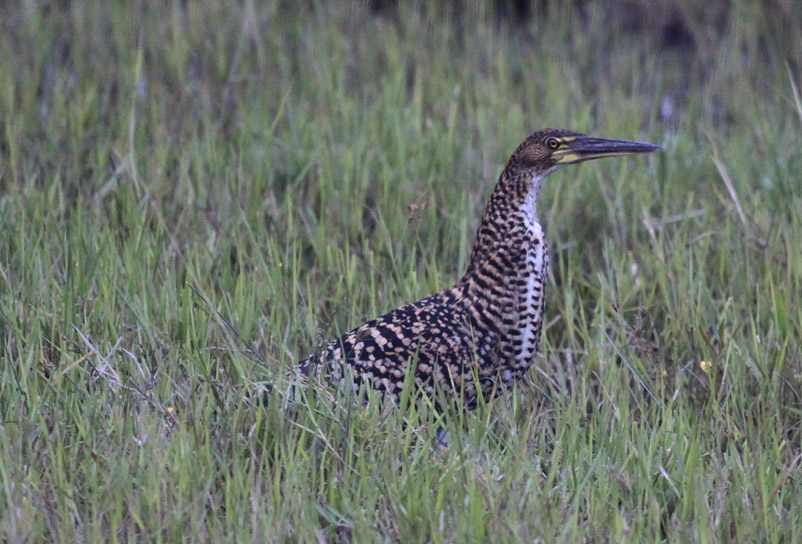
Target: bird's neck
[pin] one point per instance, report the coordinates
(509, 221)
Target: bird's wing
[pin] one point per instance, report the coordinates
(433, 334)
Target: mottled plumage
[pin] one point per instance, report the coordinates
(482, 333)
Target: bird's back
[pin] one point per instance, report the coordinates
(433, 339)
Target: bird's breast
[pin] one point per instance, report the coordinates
(531, 283)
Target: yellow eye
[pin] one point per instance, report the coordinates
(553, 143)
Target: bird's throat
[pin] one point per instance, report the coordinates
(529, 209)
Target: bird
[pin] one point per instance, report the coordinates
(477, 338)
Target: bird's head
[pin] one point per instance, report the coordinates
(549, 149)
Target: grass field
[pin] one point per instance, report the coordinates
(193, 196)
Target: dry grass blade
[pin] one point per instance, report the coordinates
(795, 90)
(722, 170)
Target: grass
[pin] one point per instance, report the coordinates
(193, 196)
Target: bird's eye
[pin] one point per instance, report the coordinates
(553, 143)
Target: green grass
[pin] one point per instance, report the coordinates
(294, 171)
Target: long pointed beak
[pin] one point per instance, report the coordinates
(584, 148)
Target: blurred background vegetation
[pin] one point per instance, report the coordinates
(193, 194)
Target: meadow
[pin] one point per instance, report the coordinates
(193, 195)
